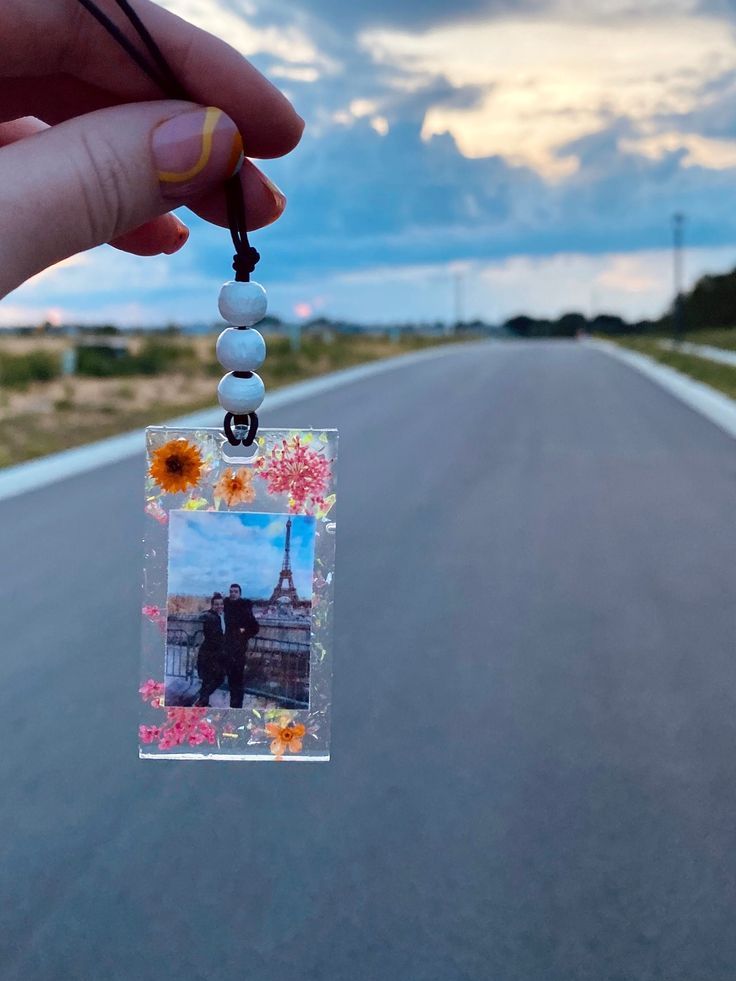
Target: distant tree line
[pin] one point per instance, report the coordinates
(710, 304)
(572, 324)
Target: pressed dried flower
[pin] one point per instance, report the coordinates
(156, 511)
(235, 487)
(149, 734)
(151, 689)
(285, 735)
(182, 725)
(176, 465)
(296, 470)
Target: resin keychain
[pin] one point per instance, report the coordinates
(239, 545)
(238, 587)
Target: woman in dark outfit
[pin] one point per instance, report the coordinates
(211, 666)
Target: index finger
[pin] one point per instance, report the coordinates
(41, 38)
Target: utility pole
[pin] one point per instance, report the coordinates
(678, 309)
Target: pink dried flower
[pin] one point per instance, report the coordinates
(147, 687)
(295, 470)
(152, 691)
(149, 734)
(208, 732)
(156, 511)
(182, 725)
(186, 725)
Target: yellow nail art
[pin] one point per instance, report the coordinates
(211, 118)
(236, 155)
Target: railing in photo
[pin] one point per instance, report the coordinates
(278, 669)
(277, 660)
(181, 652)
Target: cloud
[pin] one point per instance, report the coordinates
(550, 79)
(239, 22)
(412, 203)
(634, 284)
(418, 14)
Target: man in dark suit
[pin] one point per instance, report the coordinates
(240, 626)
(211, 661)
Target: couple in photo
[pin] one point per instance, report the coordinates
(228, 626)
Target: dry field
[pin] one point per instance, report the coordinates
(42, 417)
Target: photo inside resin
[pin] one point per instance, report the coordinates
(239, 609)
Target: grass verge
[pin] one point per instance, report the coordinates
(719, 376)
(725, 338)
(46, 416)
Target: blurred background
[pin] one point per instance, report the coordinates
(533, 767)
(478, 168)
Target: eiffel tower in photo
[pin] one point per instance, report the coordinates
(285, 590)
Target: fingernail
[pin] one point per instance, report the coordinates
(180, 238)
(278, 195)
(196, 150)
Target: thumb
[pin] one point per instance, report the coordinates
(95, 177)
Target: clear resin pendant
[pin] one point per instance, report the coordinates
(237, 606)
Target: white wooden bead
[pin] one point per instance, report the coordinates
(240, 395)
(242, 304)
(241, 350)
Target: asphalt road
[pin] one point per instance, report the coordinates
(534, 773)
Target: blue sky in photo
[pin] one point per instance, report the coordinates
(208, 550)
(535, 148)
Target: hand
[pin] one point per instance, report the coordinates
(90, 153)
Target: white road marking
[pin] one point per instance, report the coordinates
(714, 405)
(69, 463)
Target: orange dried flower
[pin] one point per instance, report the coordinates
(285, 735)
(176, 465)
(235, 486)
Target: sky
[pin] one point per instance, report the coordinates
(524, 155)
(208, 550)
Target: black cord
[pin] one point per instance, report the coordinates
(251, 421)
(161, 74)
(246, 257)
(173, 83)
(130, 49)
